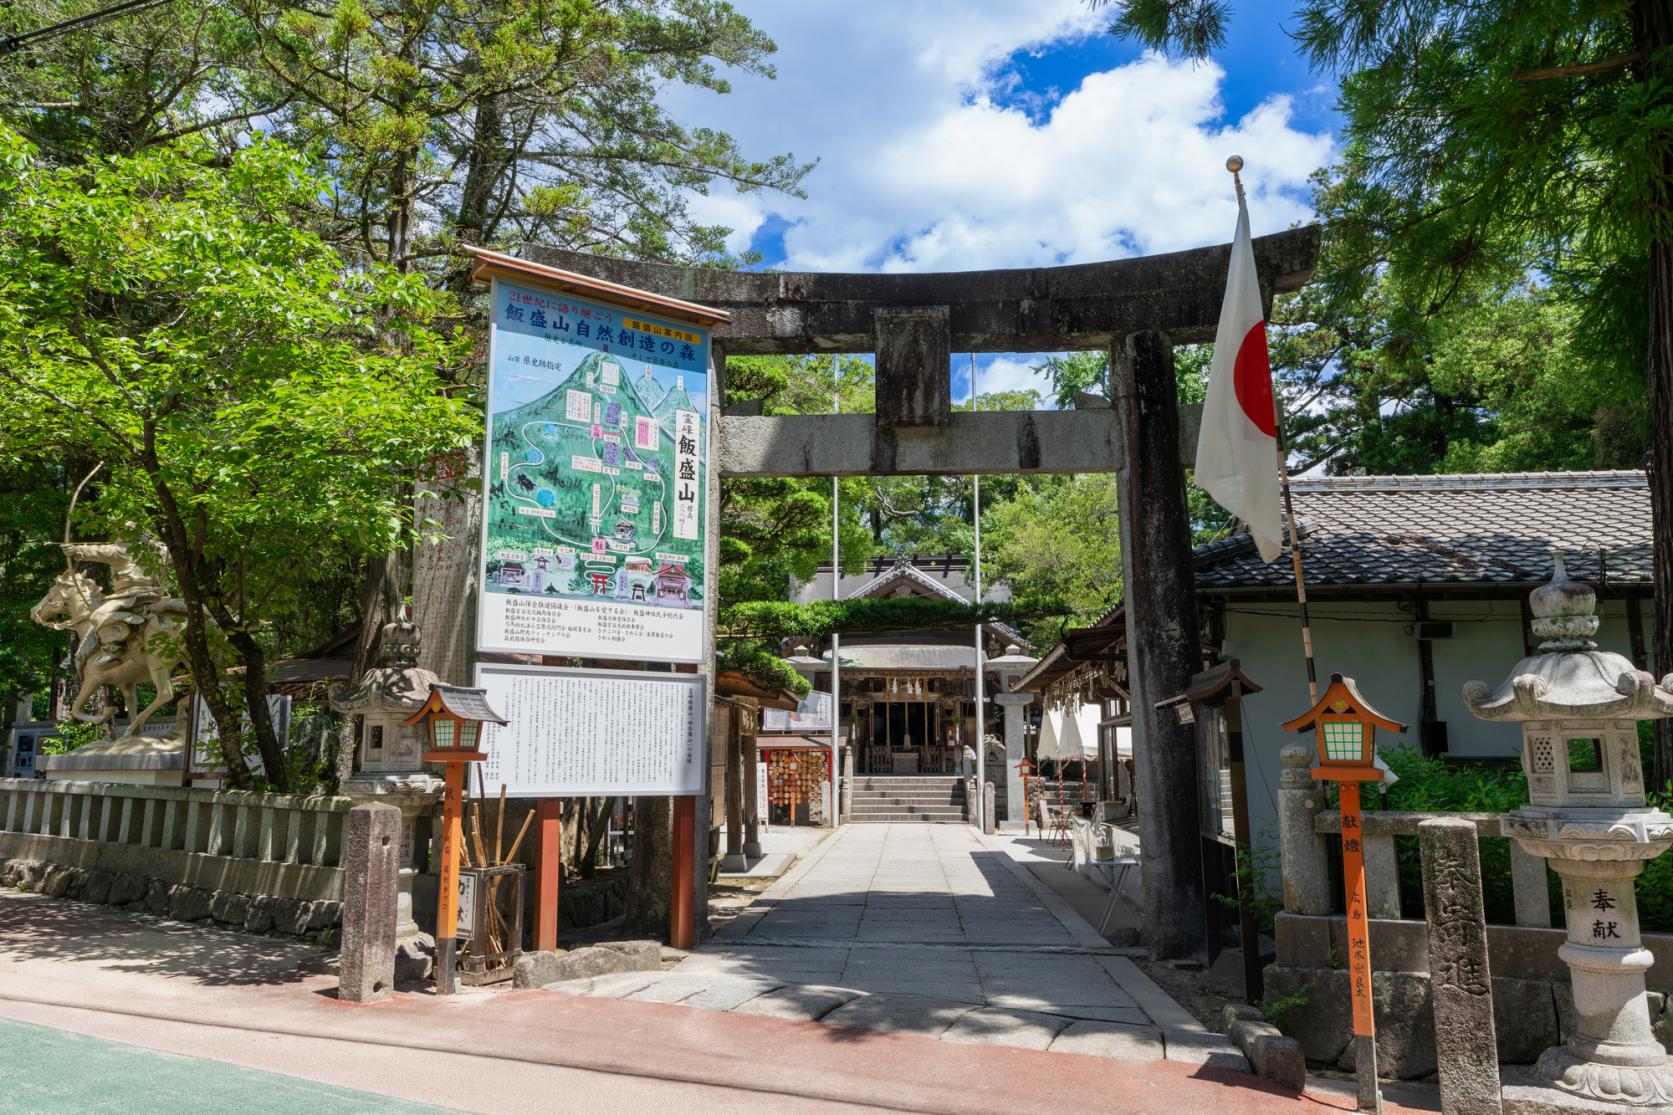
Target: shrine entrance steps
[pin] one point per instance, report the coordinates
(933, 798)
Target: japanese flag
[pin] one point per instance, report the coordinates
(1237, 449)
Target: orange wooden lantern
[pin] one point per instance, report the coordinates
(452, 719)
(1345, 732)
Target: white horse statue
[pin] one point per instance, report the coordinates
(128, 637)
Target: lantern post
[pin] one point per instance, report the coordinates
(452, 718)
(1025, 769)
(1344, 729)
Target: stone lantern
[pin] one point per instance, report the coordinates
(389, 766)
(1010, 667)
(1579, 709)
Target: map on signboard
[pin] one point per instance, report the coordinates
(596, 472)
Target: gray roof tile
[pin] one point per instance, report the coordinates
(1495, 529)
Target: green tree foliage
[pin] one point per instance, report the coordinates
(1481, 296)
(778, 528)
(253, 400)
(29, 521)
(1056, 543)
(486, 122)
(513, 120)
(1486, 146)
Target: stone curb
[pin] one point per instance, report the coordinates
(1275, 1057)
(1185, 1039)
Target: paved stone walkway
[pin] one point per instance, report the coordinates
(928, 930)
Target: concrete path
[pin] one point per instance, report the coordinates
(264, 1004)
(935, 931)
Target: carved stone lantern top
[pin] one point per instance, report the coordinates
(388, 751)
(397, 684)
(1570, 678)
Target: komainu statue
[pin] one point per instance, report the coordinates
(127, 636)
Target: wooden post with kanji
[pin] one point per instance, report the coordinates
(1344, 726)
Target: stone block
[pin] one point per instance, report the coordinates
(646, 954)
(1562, 997)
(801, 1002)
(258, 918)
(899, 1014)
(156, 897)
(126, 888)
(290, 916)
(55, 880)
(1233, 1013)
(1405, 1026)
(1663, 1026)
(1114, 1040)
(96, 887)
(325, 914)
(1525, 1019)
(371, 874)
(1016, 1028)
(229, 908)
(1321, 1021)
(189, 903)
(537, 969)
(1274, 1057)
(78, 876)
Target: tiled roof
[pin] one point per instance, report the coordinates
(1486, 530)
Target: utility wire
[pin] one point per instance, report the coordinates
(11, 44)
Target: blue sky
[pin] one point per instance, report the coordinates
(970, 134)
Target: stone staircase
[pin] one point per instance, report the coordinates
(937, 799)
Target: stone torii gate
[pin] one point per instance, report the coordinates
(1137, 309)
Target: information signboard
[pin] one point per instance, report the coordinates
(604, 733)
(594, 475)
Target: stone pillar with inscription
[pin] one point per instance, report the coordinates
(1461, 983)
(1016, 715)
(390, 767)
(1579, 708)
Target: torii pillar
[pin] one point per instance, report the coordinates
(1164, 645)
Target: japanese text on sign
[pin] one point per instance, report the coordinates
(574, 733)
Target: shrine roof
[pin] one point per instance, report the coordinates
(1490, 531)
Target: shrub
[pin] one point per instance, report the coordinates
(1429, 785)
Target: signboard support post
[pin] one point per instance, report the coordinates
(548, 815)
(682, 932)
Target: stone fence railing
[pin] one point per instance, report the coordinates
(263, 861)
(1532, 999)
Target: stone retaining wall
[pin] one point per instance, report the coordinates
(260, 862)
(258, 913)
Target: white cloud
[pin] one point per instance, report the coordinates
(1014, 373)
(926, 166)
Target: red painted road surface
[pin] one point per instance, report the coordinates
(244, 1000)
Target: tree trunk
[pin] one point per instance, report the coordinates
(255, 699)
(651, 885)
(206, 674)
(1653, 32)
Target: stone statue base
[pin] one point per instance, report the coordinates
(1641, 1086)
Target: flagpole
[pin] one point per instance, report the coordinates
(835, 818)
(1235, 164)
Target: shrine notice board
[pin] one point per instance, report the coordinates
(595, 475)
(577, 733)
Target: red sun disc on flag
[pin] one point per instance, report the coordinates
(1252, 377)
